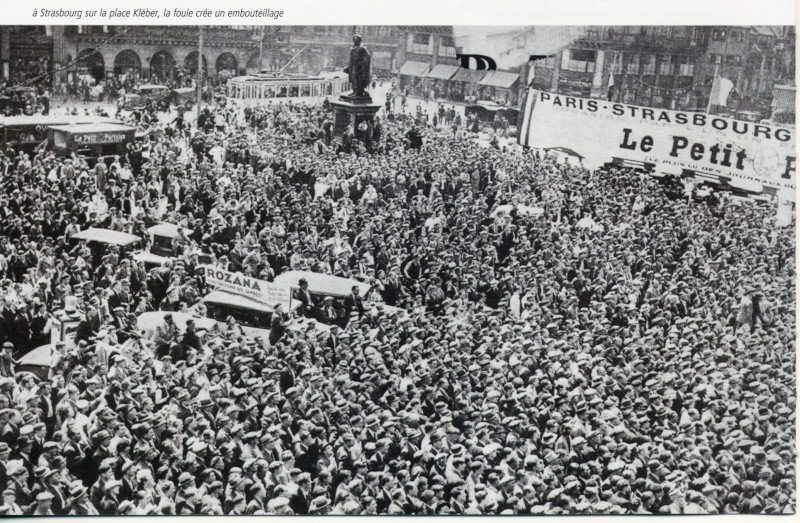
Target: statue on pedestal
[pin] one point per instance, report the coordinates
(358, 69)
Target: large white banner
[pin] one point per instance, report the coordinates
(237, 283)
(737, 152)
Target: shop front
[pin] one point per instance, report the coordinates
(464, 85)
(437, 80)
(500, 87)
(411, 78)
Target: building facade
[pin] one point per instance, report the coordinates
(659, 66)
(26, 54)
(673, 67)
(423, 50)
(313, 49)
(644, 65)
(161, 53)
(155, 52)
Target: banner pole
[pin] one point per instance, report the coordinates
(711, 94)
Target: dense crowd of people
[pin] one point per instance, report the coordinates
(569, 341)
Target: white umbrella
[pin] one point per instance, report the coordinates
(501, 209)
(527, 210)
(524, 210)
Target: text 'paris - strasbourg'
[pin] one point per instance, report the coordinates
(666, 116)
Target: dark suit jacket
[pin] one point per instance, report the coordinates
(59, 506)
(190, 339)
(277, 329)
(307, 301)
(352, 302)
(299, 503)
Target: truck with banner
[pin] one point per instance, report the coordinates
(248, 302)
(94, 142)
(734, 152)
(259, 290)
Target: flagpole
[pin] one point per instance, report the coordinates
(611, 82)
(200, 72)
(711, 94)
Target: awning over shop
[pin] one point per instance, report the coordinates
(499, 79)
(468, 76)
(442, 72)
(412, 68)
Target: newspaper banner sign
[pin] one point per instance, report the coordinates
(258, 290)
(733, 151)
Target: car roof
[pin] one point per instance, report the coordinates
(150, 320)
(106, 236)
(318, 283)
(169, 230)
(242, 302)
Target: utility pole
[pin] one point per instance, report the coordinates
(293, 57)
(261, 51)
(199, 72)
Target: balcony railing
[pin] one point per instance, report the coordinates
(212, 37)
(645, 42)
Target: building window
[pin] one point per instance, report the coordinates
(665, 65)
(686, 69)
(616, 66)
(420, 43)
(718, 34)
(447, 46)
(733, 60)
(679, 31)
(648, 64)
(632, 67)
(580, 60)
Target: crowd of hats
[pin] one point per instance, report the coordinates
(589, 359)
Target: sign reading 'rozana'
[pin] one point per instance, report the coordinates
(238, 283)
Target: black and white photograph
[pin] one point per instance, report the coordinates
(397, 270)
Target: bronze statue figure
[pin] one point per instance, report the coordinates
(358, 69)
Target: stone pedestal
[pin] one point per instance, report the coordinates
(347, 113)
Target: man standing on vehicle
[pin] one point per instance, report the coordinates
(308, 308)
(165, 334)
(353, 302)
(278, 324)
(100, 175)
(328, 313)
